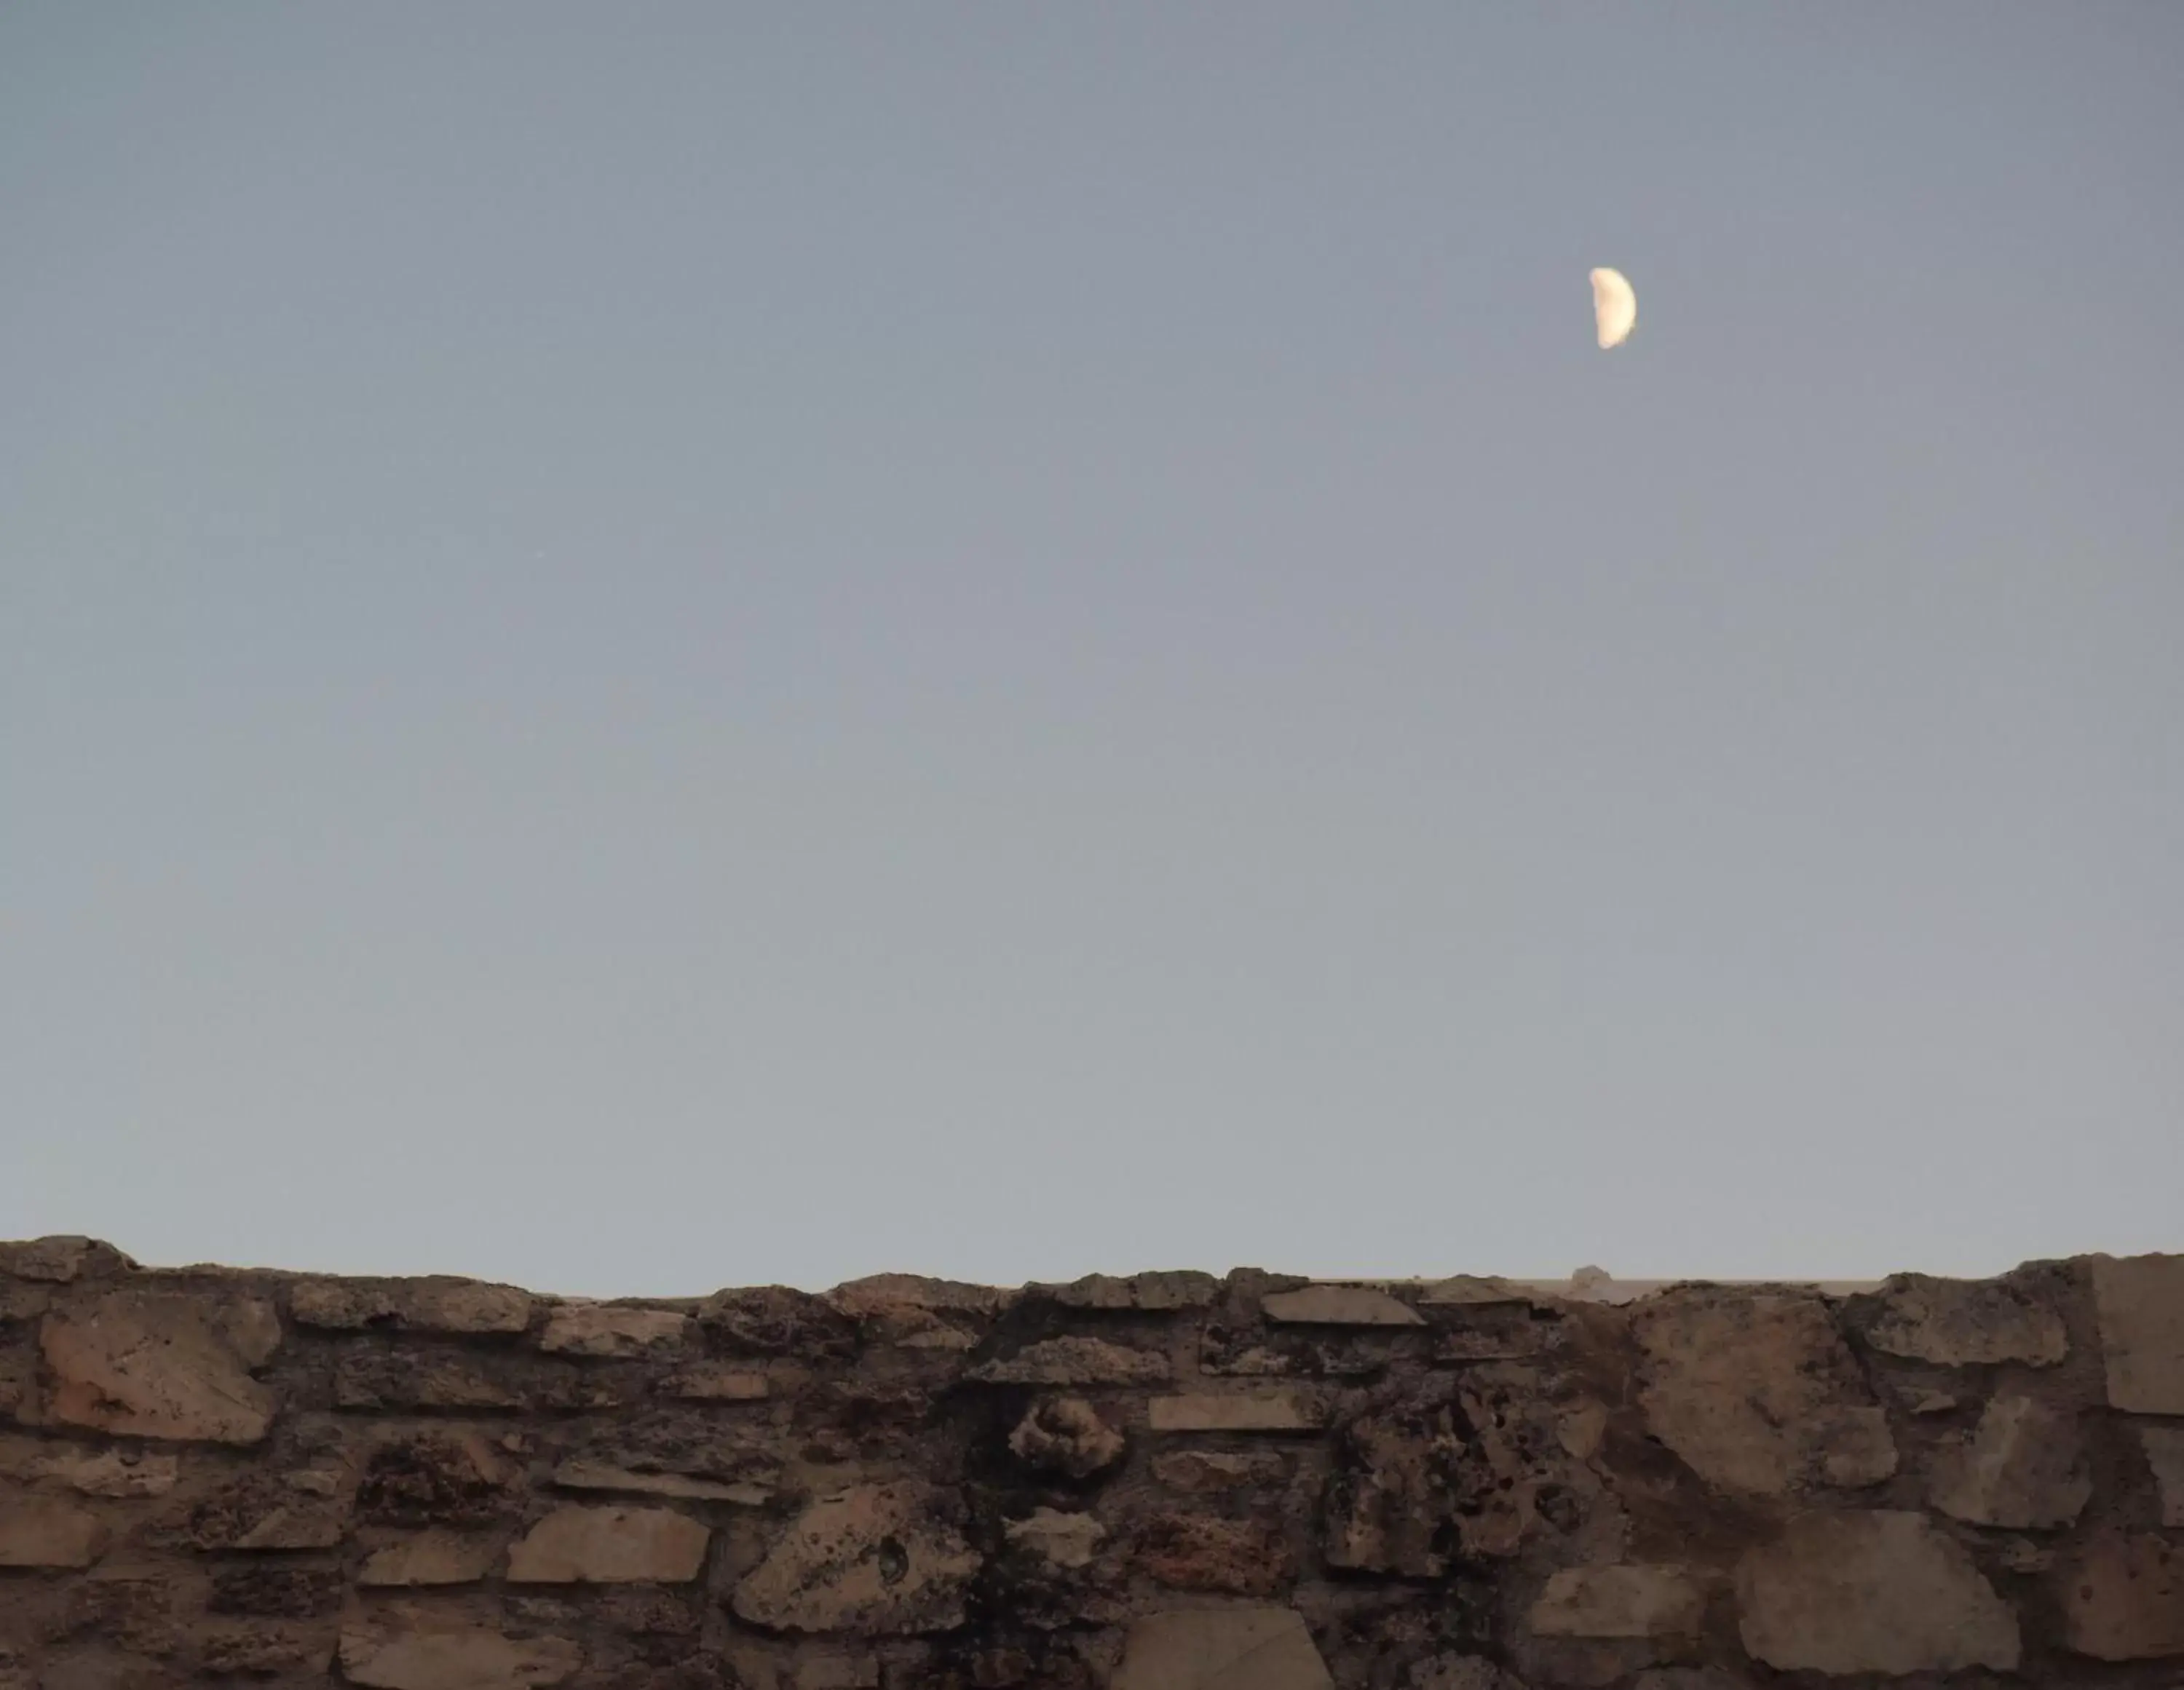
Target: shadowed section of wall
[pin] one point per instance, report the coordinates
(1163, 1481)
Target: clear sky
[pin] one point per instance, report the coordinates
(658, 645)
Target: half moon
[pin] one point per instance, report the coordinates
(1614, 307)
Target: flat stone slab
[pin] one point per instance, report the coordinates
(2140, 1300)
(1222, 1648)
(434, 1557)
(873, 1560)
(48, 1531)
(604, 1328)
(1074, 1360)
(1244, 1411)
(1338, 1305)
(2122, 1597)
(1620, 1601)
(174, 1365)
(588, 1545)
(2024, 1468)
(405, 1652)
(431, 1304)
(1870, 1591)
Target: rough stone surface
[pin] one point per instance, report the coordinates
(2141, 1304)
(1961, 1323)
(916, 1484)
(1075, 1361)
(588, 1545)
(2122, 1598)
(1759, 1393)
(162, 1364)
(607, 1329)
(1202, 1552)
(1247, 1411)
(48, 1532)
(109, 1472)
(1623, 1601)
(2024, 1468)
(873, 1560)
(1065, 1435)
(427, 1652)
(431, 1304)
(1871, 1592)
(1339, 1305)
(1198, 1472)
(1222, 1648)
(2165, 1459)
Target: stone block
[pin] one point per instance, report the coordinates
(1242, 1411)
(432, 1557)
(420, 1651)
(2024, 1468)
(2165, 1460)
(1060, 1539)
(1221, 1648)
(1065, 1435)
(872, 1561)
(610, 1545)
(606, 1329)
(2122, 1598)
(1964, 1323)
(1338, 1305)
(1620, 1601)
(174, 1365)
(48, 1531)
(2140, 1300)
(435, 1303)
(1074, 1360)
(1227, 1557)
(1870, 1591)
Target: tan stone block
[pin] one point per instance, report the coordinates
(873, 1560)
(2165, 1459)
(1200, 1551)
(1065, 1435)
(1062, 1540)
(1338, 1305)
(1870, 1591)
(1621, 1601)
(2122, 1598)
(1221, 1648)
(1198, 1472)
(164, 1365)
(2024, 1467)
(61, 1259)
(1758, 1393)
(1155, 1293)
(1965, 1323)
(602, 1329)
(406, 1651)
(591, 1545)
(48, 1531)
(1245, 1411)
(109, 1472)
(599, 1476)
(434, 1303)
(715, 1382)
(2140, 1300)
(432, 1557)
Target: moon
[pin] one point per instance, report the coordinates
(1614, 307)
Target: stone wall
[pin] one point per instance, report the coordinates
(1167, 1482)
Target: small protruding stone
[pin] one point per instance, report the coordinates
(1065, 1435)
(1062, 1540)
(2024, 1467)
(1338, 1305)
(1621, 1601)
(599, 1476)
(587, 1545)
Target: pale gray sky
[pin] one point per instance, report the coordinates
(650, 647)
